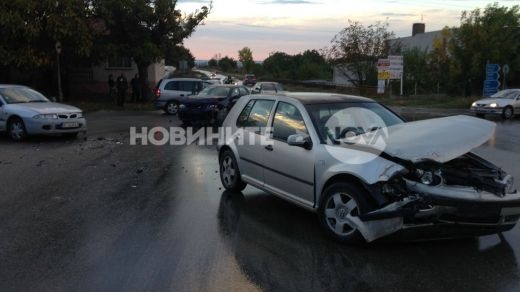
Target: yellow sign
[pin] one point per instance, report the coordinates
(383, 75)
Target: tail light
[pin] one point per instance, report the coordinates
(157, 93)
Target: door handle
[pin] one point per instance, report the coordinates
(269, 147)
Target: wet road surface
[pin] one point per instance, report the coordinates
(96, 214)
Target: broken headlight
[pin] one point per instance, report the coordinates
(509, 185)
(428, 177)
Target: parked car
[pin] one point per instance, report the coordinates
(211, 105)
(171, 92)
(505, 103)
(267, 88)
(249, 79)
(25, 111)
(365, 171)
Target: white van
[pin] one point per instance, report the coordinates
(171, 92)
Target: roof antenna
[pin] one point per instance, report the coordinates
(422, 18)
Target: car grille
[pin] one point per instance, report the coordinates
(68, 116)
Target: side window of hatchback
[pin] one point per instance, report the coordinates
(257, 115)
(287, 121)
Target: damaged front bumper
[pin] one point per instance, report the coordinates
(458, 208)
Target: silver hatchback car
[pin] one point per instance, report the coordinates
(366, 172)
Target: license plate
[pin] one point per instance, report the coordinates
(70, 125)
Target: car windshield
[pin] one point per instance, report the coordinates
(21, 95)
(214, 91)
(505, 94)
(332, 120)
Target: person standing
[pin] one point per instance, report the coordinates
(111, 87)
(136, 88)
(122, 87)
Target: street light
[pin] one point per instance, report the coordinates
(58, 52)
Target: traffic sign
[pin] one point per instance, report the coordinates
(505, 69)
(492, 75)
(492, 68)
(491, 84)
(396, 66)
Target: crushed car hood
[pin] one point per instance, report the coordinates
(441, 139)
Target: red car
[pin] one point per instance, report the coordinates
(249, 79)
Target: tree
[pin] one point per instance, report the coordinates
(279, 65)
(441, 64)
(416, 76)
(307, 65)
(176, 53)
(213, 63)
(356, 48)
(31, 28)
(143, 29)
(227, 64)
(491, 35)
(245, 55)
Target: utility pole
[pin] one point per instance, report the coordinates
(58, 52)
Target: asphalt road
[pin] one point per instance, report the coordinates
(97, 214)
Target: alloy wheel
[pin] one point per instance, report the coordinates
(340, 210)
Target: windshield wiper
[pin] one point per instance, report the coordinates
(38, 101)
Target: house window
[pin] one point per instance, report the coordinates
(119, 62)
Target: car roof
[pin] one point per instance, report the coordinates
(225, 85)
(11, 85)
(324, 97)
(182, 79)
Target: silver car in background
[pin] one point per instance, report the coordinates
(366, 172)
(24, 111)
(505, 103)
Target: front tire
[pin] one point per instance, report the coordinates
(339, 212)
(16, 129)
(507, 112)
(171, 108)
(229, 172)
(480, 115)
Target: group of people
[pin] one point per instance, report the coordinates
(118, 88)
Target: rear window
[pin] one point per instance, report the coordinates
(183, 85)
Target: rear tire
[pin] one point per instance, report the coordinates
(508, 112)
(229, 172)
(16, 130)
(171, 108)
(339, 210)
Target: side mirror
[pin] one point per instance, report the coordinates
(53, 99)
(300, 140)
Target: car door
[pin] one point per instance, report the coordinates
(250, 138)
(516, 103)
(289, 170)
(3, 115)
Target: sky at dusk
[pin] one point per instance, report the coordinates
(293, 26)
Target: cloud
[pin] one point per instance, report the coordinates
(288, 2)
(391, 14)
(194, 1)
